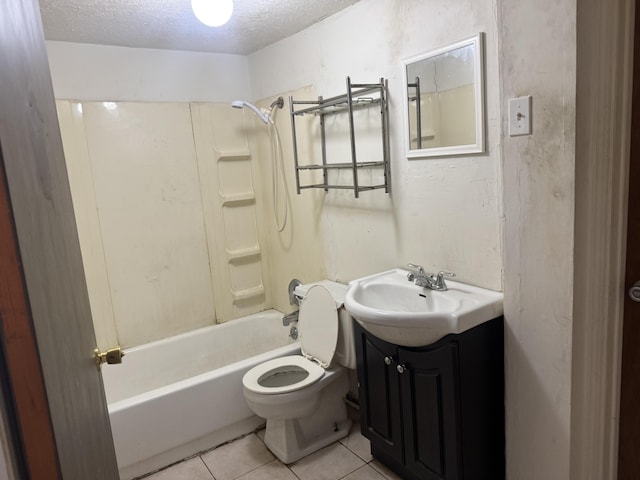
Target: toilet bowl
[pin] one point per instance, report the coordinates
(302, 396)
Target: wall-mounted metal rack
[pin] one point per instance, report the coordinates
(357, 96)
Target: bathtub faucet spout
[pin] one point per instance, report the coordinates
(288, 319)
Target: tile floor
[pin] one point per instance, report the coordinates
(248, 459)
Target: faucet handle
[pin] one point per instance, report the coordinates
(446, 274)
(440, 285)
(420, 268)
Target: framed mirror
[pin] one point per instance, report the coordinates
(444, 100)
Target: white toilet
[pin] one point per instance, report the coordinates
(302, 396)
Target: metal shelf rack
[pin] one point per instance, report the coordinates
(358, 96)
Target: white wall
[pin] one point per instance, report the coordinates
(538, 58)
(98, 72)
(442, 213)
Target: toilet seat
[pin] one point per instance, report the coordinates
(254, 379)
(318, 330)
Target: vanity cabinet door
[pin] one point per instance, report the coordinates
(430, 407)
(379, 393)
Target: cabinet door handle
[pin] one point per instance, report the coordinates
(388, 360)
(634, 292)
(401, 368)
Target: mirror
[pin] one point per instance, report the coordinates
(444, 100)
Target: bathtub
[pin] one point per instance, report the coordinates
(175, 397)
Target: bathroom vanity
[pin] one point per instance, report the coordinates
(435, 411)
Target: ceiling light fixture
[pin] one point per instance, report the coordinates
(213, 13)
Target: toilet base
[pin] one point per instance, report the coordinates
(292, 439)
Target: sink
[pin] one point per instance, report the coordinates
(394, 309)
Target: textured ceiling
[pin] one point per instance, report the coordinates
(171, 25)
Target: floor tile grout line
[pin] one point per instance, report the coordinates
(343, 443)
(292, 472)
(274, 459)
(347, 474)
(207, 467)
(382, 475)
(357, 455)
(256, 468)
(277, 459)
(380, 472)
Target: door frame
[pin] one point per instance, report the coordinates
(605, 38)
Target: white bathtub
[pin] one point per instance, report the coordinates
(175, 397)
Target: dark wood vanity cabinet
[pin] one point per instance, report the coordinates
(435, 412)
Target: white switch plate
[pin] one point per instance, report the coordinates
(520, 116)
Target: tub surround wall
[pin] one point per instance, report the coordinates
(167, 216)
(143, 167)
(76, 152)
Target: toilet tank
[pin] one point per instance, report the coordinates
(345, 354)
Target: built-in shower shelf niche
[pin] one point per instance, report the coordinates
(234, 156)
(238, 199)
(358, 96)
(236, 255)
(250, 293)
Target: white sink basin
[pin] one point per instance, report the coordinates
(394, 309)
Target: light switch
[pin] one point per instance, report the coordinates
(520, 116)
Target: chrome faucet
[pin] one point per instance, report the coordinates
(290, 318)
(422, 279)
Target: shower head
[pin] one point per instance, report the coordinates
(264, 116)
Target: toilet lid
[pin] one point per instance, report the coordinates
(318, 325)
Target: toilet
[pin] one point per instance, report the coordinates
(302, 396)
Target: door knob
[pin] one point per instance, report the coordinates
(388, 360)
(401, 368)
(634, 292)
(112, 356)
